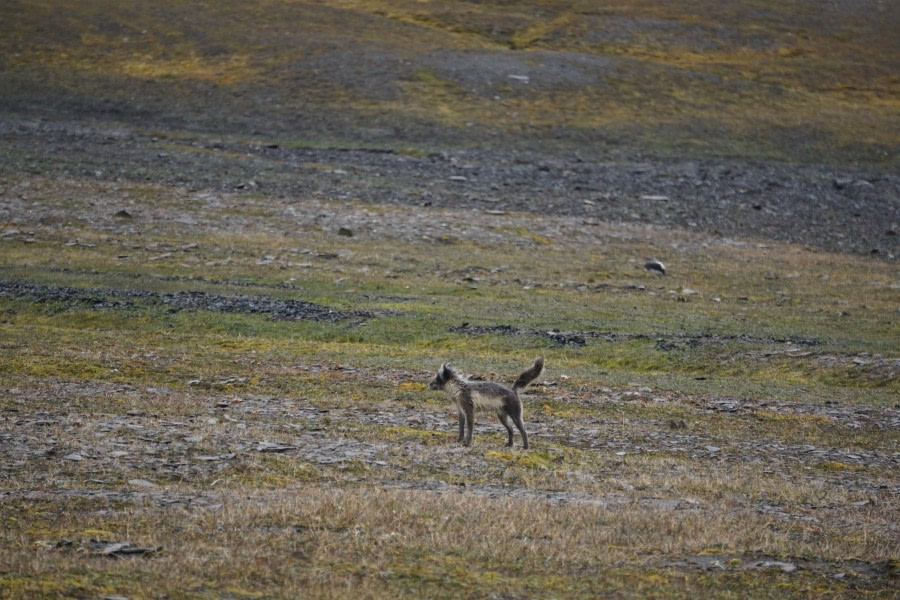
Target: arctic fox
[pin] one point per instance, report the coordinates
(470, 396)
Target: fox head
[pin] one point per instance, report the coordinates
(444, 374)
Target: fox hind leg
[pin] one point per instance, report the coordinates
(504, 420)
(517, 419)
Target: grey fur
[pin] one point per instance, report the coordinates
(469, 396)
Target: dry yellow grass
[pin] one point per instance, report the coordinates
(326, 542)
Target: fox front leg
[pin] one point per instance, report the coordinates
(470, 425)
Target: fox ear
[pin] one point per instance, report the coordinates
(445, 371)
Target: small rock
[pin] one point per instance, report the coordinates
(655, 266)
(120, 549)
(666, 504)
(712, 448)
(109, 547)
(74, 456)
(272, 447)
(143, 483)
(776, 564)
(205, 458)
(841, 182)
(345, 231)
(123, 214)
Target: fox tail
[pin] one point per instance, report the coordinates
(530, 374)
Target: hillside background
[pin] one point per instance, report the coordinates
(799, 80)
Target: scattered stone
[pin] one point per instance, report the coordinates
(273, 447)
(841, 183)
(123, 214)
(275, 308)
(566, 339)
(468, 329)
(217, 457)
(345, 231)
(666, 505)
(228, 381)
(777, 564)
(655, 266)
(142, 483)
(120, 549)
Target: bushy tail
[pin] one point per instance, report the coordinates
(530, 375)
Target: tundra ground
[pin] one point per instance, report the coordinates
(231, 260)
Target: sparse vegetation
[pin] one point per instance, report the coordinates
(229, 268)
